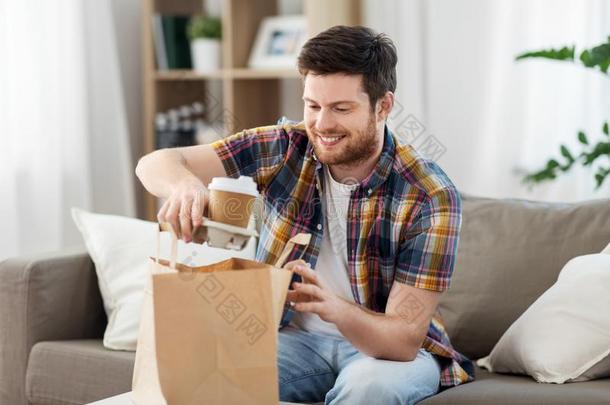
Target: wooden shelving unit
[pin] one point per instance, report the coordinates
(243, 89)
(238, 73)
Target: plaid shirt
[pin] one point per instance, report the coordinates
(403, 220)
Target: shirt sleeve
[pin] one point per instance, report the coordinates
(427, 256)
(256, 152)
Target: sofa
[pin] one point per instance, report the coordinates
(52, 319)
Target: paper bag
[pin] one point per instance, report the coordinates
(208, 335)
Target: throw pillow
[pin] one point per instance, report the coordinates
(120, 248)
(564, 335)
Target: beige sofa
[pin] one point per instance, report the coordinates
(52, 319)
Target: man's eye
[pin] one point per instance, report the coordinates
(314, 107)
(341, 109)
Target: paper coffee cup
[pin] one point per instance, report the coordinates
(232, 200)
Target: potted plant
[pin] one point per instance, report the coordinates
(597, 58)
(204, 33)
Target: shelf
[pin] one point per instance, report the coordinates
(181, 74)
(238, 73)
(247, 73)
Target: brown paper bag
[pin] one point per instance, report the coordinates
(208, 335)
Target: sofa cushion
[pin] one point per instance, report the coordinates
(82, 371)
(573, 313)
(499, 389)
(510, 252)
(44, 296)
(76, 372)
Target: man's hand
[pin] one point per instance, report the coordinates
(180, 175)
(312, 296)
(185, 207)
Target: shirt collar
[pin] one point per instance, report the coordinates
(384, 165)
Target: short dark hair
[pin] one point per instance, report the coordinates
(353, 50)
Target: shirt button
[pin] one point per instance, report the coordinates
(319, 227)
(369, 191)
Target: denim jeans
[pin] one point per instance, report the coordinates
(316, 368)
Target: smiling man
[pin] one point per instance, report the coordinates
(384, 221)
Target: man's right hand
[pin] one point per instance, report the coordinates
(185, 207)
(180, 175)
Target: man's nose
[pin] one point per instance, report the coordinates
(325, 121)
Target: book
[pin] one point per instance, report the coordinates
(159, 42)
(177, 45)
(172, 46)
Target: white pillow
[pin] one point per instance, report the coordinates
(120, 248)
(565, 335)
(606, 249)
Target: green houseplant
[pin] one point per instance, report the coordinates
(597, 58)
(205, 33)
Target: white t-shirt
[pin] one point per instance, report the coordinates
(331, 267)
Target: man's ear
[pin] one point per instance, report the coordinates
(384, 106)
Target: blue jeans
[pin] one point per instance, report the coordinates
(315, 368)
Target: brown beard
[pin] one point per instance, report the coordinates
(360, 146)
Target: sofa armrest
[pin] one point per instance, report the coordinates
(44, 297)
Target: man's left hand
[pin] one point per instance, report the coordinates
(312, 296)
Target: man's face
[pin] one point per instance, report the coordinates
(338, 118)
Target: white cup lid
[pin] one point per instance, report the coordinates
(241, 185)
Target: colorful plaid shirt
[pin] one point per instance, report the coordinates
(403, 220)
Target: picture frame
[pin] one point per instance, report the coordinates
(278, 42)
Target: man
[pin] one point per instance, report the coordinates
(384, 222)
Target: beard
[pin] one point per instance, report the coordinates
(356, 147)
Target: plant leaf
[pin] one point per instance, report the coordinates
(566, 153)
(600, 176)
(552, 164)
(539, 176)
(201, 26)
(565, 53)
(583, 138)
(599, 179)
(598, 56)
(605, 128)
(600, 149)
